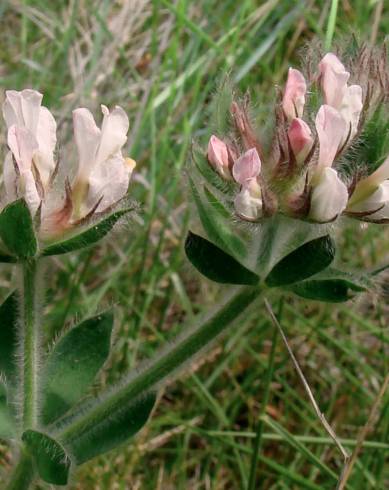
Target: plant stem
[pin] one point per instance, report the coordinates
(30, 344)
(22, 475)
(167, 362)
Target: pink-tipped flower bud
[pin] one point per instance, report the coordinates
(294, 96)
(247, 167)
(300, 139)
(218, 157)
(329, 196)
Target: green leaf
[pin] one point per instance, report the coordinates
(7, 423)
(217, 225)
(304, 262)
(331, 286)
(51, 460)
(215, 264)
(17, 229)
(7, 259)
(88, 236)
(8, 335)
(73, 364)
(112, 431)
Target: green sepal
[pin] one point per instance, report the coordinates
(107, 434)
(52, 462)
(307, 260)
(8, 335)
(17, 230)
(7, 422)
(88, 236)
(73, 364)
(215, 264)
(330, 286)
(217, 220)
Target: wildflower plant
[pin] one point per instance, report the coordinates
(268, 203)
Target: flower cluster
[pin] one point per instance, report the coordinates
(302, 173)
(30, 169)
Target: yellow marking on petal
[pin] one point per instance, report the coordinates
(131, 163)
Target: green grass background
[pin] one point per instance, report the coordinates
(161, 61)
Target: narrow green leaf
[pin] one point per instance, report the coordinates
(17, 229)
(304, 262)
(331, 286)
(215, 264)
(7, 422)
(73, 365)
(51, 460)
(88, 236)
(112, 431)
(216, 223)
(8, 335)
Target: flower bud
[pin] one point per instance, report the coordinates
(218, 157)
(329, 196)
(294, 96)
(300, 139)
(247, 167)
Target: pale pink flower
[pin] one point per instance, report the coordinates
(329, 196)
(103, 173)
(31, 140)
(337, 94)
(330, 127)
(294, 96)
(218, 157)
(248, 202)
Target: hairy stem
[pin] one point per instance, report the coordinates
(30, 344)
(23, 474)
(169, 360)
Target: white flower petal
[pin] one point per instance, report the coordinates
(87, 136)
(113, 133)
(329, 197)
(109, 182)
(10, 178)
(47, 139)
(351, 108)
(23, 145)
(378, 199)
(22, 108)
(29, 191)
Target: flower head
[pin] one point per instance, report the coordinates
(30, 168)
(315, 168)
